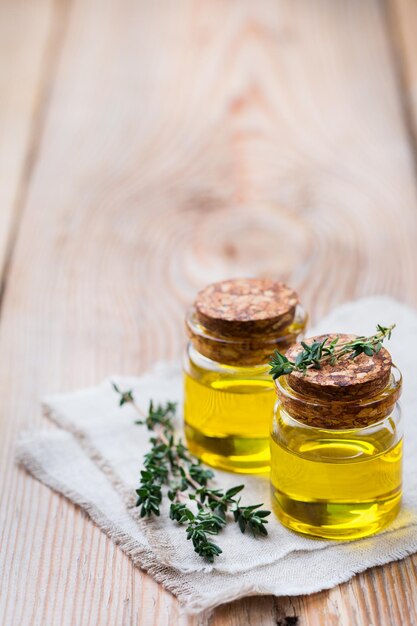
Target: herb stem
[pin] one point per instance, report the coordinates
(319, 353)
(203, 510)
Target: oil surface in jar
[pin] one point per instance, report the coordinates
(341, 487)
(228, 417)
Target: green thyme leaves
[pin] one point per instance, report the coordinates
(317, 353)
(170, 471)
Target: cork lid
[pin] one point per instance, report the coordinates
(349, 379)
(246, 306)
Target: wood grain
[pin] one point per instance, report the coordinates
(181, 143)
(22, 59)
(402, 24)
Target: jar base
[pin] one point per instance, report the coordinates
(236, 454)
(335, 520)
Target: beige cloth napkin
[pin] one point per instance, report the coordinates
(95, 457)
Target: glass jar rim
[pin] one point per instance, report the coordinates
(196, 328)
(339, 431)
(394, 386)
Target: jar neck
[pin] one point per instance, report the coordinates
(311, 441)
(195, 361)
(238, 351)
(336, 415)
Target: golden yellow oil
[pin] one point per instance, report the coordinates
(228, 415)
(338, 486)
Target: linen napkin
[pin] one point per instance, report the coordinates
(95, 457)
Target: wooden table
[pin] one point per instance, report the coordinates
(149, 147)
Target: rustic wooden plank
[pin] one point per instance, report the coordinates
(402, 29)
(24, 30)
(187, 141)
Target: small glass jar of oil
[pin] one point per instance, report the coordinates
(233, 328)
(336, 448)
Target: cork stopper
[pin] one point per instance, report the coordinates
(349, 379)
(352, 393)
(242, 321)
(246, 307)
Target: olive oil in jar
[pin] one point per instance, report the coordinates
(347, 486)
(228, 394)
(228, 413)
(336, 459)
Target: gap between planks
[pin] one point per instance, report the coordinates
(49, 66)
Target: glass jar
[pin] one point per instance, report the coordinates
(228, 393)
(336, 465)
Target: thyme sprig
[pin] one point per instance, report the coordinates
(170, 469)
(319, 353)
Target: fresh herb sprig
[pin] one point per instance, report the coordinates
(170, 468)
(319, 353)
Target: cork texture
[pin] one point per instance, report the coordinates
(349, 379)
(337, 415)
(242, 351)
(354, 393)
(245, 307)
